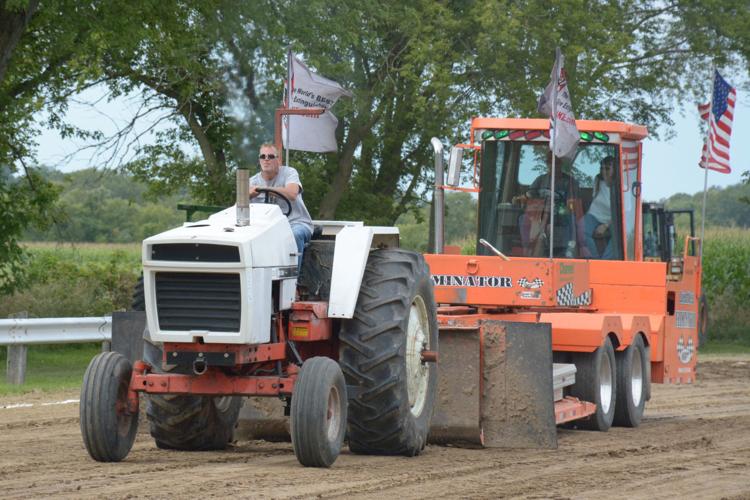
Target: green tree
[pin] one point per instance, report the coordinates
(49, 51)
(460, 223)
(204, 66)
(423, 68)
(106, 207)
(724, 206)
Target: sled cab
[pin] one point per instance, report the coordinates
(516, 212)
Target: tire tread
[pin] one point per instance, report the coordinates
(372, 353)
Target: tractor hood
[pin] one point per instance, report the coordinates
(266, 242)
(212, 279)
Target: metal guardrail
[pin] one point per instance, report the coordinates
(29, 331)
(19, 333)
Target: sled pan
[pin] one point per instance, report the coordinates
(495, 385)
(263, 418)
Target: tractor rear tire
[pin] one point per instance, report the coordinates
(631, 384)
(107, 428)
(596, 382)
(391, 389)
(139, 298)
(185, 422)
(318, 413)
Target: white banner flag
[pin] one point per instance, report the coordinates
(309, 90)
(555, 103)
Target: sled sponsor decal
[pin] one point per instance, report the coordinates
(685, 319)
(685, 350)
(472, 281)
(567, 268)
(533, 284)
(687, 298)
(532, 287)
(566, 297)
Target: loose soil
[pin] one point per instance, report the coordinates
(694, 442)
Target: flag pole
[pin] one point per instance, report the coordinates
(288, 99)
(705, 164)
(703, 209)
(553, 133)
(552, 207)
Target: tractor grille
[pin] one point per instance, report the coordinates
(192, 252)
(198, 301)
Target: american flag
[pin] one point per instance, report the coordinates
(630, 154)
(719, 114)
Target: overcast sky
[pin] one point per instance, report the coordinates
(669, 167)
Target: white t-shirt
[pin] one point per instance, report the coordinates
(600, 207)
(286, 175)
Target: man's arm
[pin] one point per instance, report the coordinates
(291, 190)
(292, 185)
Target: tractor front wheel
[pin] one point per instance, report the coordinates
(318, 414)
(107, 426)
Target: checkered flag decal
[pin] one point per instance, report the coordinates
(565, 296)
(534, 284)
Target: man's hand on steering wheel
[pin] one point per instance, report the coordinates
(270, 193)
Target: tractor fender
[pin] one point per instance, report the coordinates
(350, 255)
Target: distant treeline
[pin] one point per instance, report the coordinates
(106, 206)
(724, 206)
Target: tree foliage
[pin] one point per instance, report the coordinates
(459, 225)
(46, 49)
(421, 69)
(105, 207)
(724, 206)
(23, 202)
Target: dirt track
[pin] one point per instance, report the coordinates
(694, 442)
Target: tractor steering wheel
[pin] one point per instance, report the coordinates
(270, 193)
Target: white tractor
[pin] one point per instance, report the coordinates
(349, 343)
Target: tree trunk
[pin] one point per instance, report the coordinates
(13, 23)
(340, 183)
(212, 155)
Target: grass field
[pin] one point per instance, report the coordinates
(51, 368)
(83, 279)
(726, 283)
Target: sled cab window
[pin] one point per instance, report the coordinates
(515, 211)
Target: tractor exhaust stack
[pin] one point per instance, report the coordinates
(243, 197)
(439, 203)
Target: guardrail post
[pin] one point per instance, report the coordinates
(16, 374)
(16, 362)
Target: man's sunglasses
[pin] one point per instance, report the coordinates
(267, 157)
